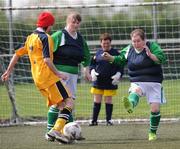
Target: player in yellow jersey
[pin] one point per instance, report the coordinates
(39, 47)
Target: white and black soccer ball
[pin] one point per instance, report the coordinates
(72, 130)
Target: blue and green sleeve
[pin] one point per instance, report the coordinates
(56, 39)
(121, 59)
(158, 52)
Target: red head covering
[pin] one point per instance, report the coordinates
(45, 19)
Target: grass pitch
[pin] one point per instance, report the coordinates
(124, 136)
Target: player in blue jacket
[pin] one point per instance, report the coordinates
(105, 77)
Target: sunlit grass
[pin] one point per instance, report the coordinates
(30, 102)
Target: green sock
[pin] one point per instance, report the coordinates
(134, 99)
(52, 117)
(154, 121)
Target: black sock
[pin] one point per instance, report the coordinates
(96, 109)
(65, 113)
(109, 109)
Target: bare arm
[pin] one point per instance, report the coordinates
(12, 63)
(87, 73)
(48, 61)
(108, 57)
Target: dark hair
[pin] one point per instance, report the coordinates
(105, 36)
(139, 32)
(45, 28)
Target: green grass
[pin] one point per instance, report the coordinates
(30, 102)
(125, 136)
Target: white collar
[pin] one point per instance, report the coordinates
(137, 51)
(73, 36)
(40, 29)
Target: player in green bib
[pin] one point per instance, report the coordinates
(143, 59)
(70, 50)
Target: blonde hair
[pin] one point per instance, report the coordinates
(75, 16)
(138, 32)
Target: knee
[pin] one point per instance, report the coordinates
(135, 89)
(108, 101)
(155, 107)
(61, 105)
(138, 91)
(69, 103)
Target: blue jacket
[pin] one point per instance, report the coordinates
(105, 69)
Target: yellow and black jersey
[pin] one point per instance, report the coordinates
(39, 45)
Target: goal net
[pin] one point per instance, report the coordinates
(19, 98)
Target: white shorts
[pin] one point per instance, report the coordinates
(71, 83)
(152, 91)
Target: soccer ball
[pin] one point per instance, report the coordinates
(72, 130)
